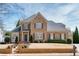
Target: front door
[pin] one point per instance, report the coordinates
(25, 38)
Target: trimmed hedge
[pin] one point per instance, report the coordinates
(69, 41)
(7, 39)
(35, 41)
(2, 42)
(56, 41)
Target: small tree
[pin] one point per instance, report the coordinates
(16, 40)
(69, 41)
(7, 40)
(8, 34)
(76, 36)
(31, 39)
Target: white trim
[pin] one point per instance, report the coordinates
(51, 36)
(28, 37)
(62, 36)
(38, 35)
(22, 38)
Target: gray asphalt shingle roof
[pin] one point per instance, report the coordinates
(17, 29)
(55, 27)
(51, 26)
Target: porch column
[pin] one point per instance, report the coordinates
(22, 34)
(51, 36)
(22, 37)
(28, 37)
(62, 36)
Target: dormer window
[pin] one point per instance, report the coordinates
(38, 25)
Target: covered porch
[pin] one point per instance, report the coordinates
(24, 36)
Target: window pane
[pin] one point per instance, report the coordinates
(38, 25)
(38, 36)
(25, 26)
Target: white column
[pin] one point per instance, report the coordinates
(51, 36)
(22, 37)
(62, 36)
(28, 37)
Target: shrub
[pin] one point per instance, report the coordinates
(25, 46)
(35, 41)
(7, 40)
(2, 42)
(41, 41)
(16, 40)
(69, 41)
(22, 47)
(8, 47)
(56, 41)
(31, 39)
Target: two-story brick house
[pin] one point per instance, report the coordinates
(40, 29)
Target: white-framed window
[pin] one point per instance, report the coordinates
(38, 25)
(25, 26)
(38, 36)
(57, 36)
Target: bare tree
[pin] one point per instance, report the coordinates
(1, 24)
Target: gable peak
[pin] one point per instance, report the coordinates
(39, 13)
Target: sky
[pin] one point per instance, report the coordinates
(66, 13)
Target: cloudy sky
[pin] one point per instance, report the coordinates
(60, 13)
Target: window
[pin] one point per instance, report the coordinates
(25, 26)
(64, 36)
(38, 36)
(60, 36)
(53, 36)
(57, 36)
(38, 25)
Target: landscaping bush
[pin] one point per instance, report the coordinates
(41, 41)
(2, 42)
(25, 46)
(35, 41)
(69, 41)
(7, 40)
(8, 47)
(56, 41)
(31, 39)
(16, 40)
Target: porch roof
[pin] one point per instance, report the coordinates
(17, 29)
(56, 27)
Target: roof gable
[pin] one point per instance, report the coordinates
(34, 16)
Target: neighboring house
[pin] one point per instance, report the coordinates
(40, 29)
(1, 36)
